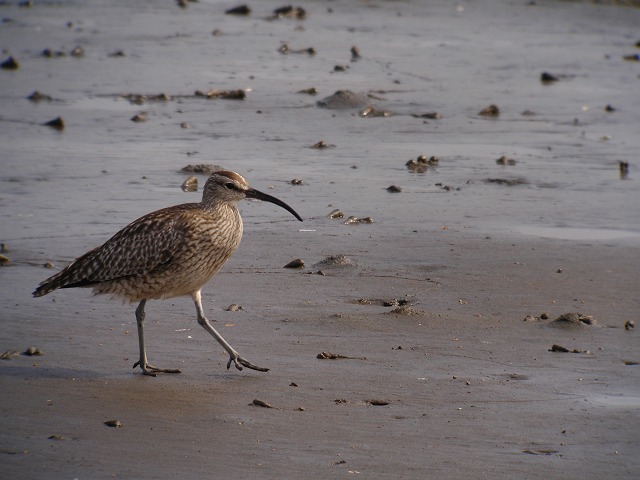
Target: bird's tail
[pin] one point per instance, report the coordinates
(75, 275)
(59, 280)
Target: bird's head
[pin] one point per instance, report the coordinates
(230, 187)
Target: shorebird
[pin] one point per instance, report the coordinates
(168, 253)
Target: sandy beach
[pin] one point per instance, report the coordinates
(438, 349)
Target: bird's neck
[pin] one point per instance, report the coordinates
(226, 211)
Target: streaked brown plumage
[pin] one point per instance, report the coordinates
(168, 253)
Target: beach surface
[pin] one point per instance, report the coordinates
(434, 346)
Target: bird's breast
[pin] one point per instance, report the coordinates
(212, 239)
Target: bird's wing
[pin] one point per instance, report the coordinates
(146, 245)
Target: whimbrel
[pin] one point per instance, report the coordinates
(168, 253)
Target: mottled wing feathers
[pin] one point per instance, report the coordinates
(147, 245)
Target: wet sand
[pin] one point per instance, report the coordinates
(460, 385)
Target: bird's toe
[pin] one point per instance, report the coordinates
(152, 370)
(250, 365)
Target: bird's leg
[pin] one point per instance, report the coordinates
(142, 362)
(234, 356)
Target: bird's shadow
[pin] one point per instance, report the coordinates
(31, 372)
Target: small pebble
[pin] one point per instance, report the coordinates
(321, 145)
(336, 214)
(234, 307)
(140, 117)
(560, 348)
(629, 324)
(503, 160)
(623, 167)
(490, 111)
(240, 10)
(57, 123)
(260, 403)
(336, 356)
(77, 52)
(546, 77)
(328, 355)
(226, 94)
(353, 220)
(394, 189)
(405, 310)
(432, 160)
(290, 11)
(297, 263)
(377, 402)
(429, 115)
(48, 53)
(422, 163)
(205, 168)
(36, 97)
(574, 319)
(309, 91)
(284, 49)
(113, 423)
(10, 64)
(190, 184)
(371, 112)
(32, 352)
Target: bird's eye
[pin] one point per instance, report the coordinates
(229, 186)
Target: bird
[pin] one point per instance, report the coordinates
(169, 253)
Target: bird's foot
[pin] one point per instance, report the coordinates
(151, 370)
(239, 362)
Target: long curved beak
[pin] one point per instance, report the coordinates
(253, 193)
